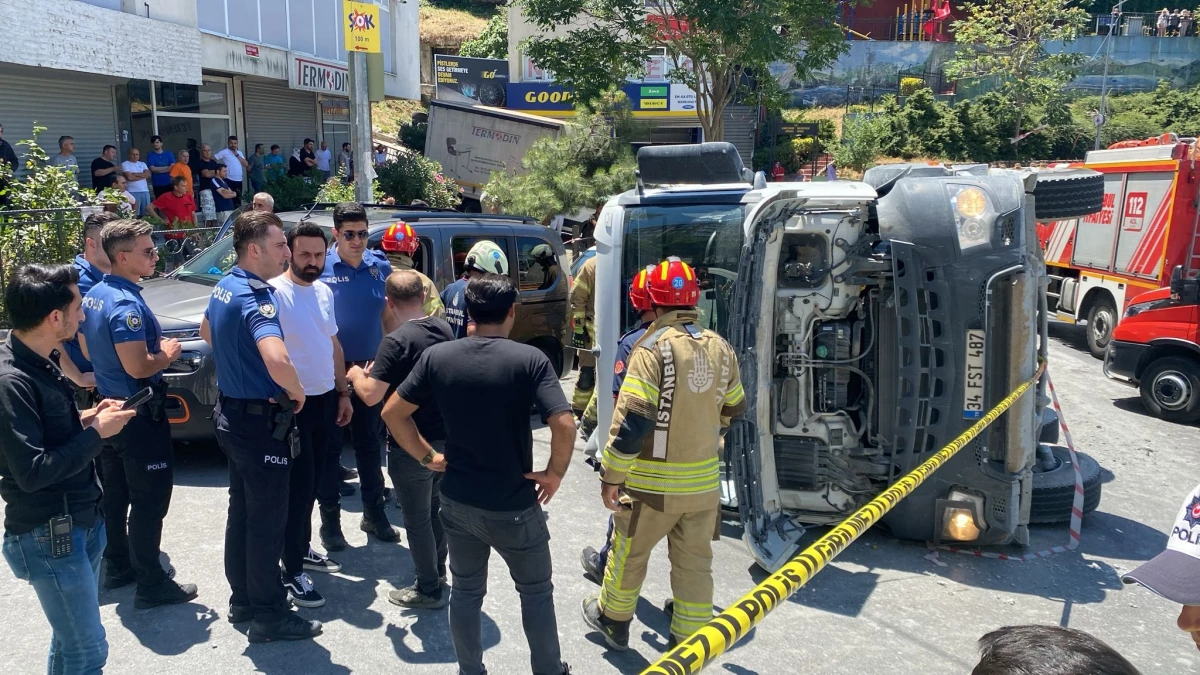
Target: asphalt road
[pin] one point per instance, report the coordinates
(883, 606)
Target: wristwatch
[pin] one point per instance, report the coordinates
(428, 459)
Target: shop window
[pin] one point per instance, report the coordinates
(460, 245)
(210, 98)
(537, 263)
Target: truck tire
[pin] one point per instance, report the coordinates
(1070, 193)
(1170, 389)
(1054, 490)
(1101, 319)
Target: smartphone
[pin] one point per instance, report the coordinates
(138, 399)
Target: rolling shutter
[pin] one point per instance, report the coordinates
(80, 109)
(278, 115)
(740, 123)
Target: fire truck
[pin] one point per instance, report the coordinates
(1100, 263)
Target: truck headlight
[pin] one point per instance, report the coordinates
(973, 215)
(1139, 307)
(962, 518)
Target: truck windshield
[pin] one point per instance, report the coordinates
(706, 236)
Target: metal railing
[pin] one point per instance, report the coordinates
(918, 25)
(1145, 24)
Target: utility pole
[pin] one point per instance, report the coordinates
(1102, 114)
(360, 118)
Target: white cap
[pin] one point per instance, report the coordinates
(1175, 573)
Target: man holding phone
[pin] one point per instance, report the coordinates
(124, 342)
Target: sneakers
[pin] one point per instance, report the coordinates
(166, 593)
(290, 627)
(114, 579)
(590, 560)
(300, 590)
(616, 633)
(375, 522)
(412, 598)
(240, 614)
(319, 562)
(331, 529)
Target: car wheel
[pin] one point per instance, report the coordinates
(1054, 489)
(1101, 320)
(1071, 193)
(1170, 389)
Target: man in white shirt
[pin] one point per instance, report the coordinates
(66, 156)
(136, 174)
(236, 163)
(305, 308)
(323, 159)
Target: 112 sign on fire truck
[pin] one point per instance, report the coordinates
(1099, 263)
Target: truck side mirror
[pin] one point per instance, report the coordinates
(1187, 290)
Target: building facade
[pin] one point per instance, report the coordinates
(192, 71)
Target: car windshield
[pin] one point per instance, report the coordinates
(706, 236)
(215, 261)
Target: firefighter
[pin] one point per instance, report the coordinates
(400, 243)
(593, 561)
(583, 314)
(681, 388)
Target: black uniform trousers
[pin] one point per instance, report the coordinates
(137, 477)
(367, 428)
(259, 478)
(317, 422)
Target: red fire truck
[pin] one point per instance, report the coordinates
(1098, 264)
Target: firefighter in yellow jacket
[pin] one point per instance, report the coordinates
(583, 314)
(681, 389)
(400, 243)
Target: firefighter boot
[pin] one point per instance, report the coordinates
(331, 529)
(616, 633)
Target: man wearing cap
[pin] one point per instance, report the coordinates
(1175, 573)
(485, 257)
(400, 244)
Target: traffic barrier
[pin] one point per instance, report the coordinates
(716, 637)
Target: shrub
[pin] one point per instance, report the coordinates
(492, 43)
(336, 189)
(910, 85)
(413, 176)
(792, 153)
(292, 192)
(862, 141)
(412, 136)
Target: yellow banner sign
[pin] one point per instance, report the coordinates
(654, 104)
(361, 21)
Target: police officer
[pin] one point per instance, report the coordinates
(357, 277)
(92, 265)
(583, 314)
(485, 257)
(124, 342)
(680, 389)
(594, 562)
(255, 374)
(400, 243)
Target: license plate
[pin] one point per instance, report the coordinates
(973, 375)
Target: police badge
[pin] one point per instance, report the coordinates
(375, 272)
(133, 320)
(267, 310)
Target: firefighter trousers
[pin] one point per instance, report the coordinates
(689, 536)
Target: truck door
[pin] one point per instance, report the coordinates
(1145, 215)
(1095, 238)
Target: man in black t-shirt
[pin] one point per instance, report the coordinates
(484, 386)
(417, 488)
(105, 168)
(308, 156)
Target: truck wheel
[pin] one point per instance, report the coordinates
(1070, 193)
(1101, 319)
(1054, 490)
(1171, 389)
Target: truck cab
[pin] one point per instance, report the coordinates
(873, 321)
(1156, 348)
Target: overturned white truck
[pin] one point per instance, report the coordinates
(874, 322)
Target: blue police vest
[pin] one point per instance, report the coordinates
(114, 313)
(454, 297)
(358, 301)
(242, 311)
(624, 348)
(89, 276)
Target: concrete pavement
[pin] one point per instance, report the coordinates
(884, 605)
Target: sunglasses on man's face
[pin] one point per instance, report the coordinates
(351, 235)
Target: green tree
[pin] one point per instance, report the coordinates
(712, 45)
(411, 176)
(862, 141)
(492, 43)
(1007, 39)
(580, 169)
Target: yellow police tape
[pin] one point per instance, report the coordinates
(716, 637)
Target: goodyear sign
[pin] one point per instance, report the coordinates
(548, 97)
(720, 634)
(361, 23)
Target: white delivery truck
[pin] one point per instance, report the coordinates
(472, 141)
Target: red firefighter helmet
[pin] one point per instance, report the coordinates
(400, 237)
(638, 295)
(673, 284)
